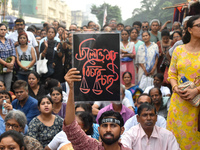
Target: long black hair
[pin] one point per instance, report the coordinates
(187, 37)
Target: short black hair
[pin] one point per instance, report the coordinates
(137, 23)
(147, 107)
(31, 29)
(144, 94)
(165, 32)
(111, 113)
(159, 76)
(160, 93)
(16, 136)
(45, 24)
(145, 22)
(120, 24)
(19, 20)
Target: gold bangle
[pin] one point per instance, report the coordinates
(174, 87)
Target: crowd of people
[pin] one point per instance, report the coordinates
(37, 111)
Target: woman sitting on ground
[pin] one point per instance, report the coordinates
(45, 126)
(34, 88)
(58, 106)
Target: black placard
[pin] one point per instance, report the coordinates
(96, 56)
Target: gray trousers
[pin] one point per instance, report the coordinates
(7, 78)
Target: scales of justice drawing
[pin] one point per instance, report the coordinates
(96, 56)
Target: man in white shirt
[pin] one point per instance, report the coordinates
(20, 26)
(148, 136)
(157, 82)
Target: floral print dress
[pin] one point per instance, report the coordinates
(182, 117)
(44, 134)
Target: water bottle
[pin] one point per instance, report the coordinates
(4, 110)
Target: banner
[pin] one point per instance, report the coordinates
(96, 56)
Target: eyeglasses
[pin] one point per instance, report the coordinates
(197, 25)
(176, 37)
(144, 26)
(3, 29)
(14, 126)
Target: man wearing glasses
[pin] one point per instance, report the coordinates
(145, 26)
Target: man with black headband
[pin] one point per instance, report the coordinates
(110, 129)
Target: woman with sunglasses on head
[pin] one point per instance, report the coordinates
(185, 62)
(7, 57)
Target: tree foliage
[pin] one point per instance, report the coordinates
(112, 12)
(152, 9)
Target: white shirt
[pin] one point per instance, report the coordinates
(58, 141)
(31, 38)
(164, 89)
(161, 139)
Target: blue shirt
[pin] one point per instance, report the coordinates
(30, 108)
(2, 125)
(7, 49)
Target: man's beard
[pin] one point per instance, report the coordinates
(110, 141)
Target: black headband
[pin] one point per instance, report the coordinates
(113, 120)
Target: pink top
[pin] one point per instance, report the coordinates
(125, 112)
(81, 141)
(160, 139)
